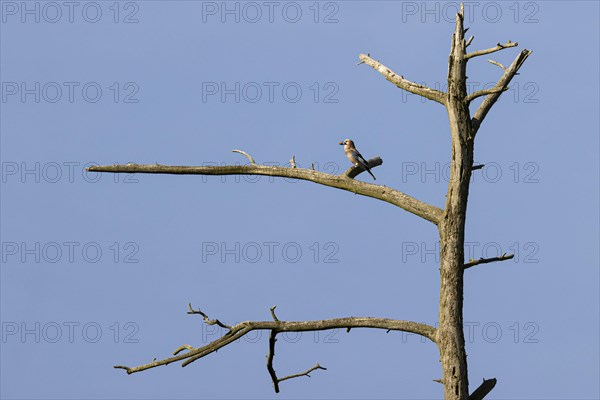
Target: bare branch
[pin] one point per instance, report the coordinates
(496, 63)
(498, 47)
(483, 389)
(246, 154)
(475, 167)
(207, 320)
(504, 81)
(239, 330)
(469, 41)
(273, 374)
(183, 347)
(293, 161)
(404, 84)
(485, 92)
(306, 373)
(270, 356)
(384, 193)
(272, 309)
(355, 170)
(473, 263)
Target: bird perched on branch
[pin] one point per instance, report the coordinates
(355, 157)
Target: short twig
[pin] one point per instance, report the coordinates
(248, 156)
(485, 92)
(123, 367)
(317, 366)
(473, 263)
(496, 63)
(183, 347)
(272, 309)
(207, 320)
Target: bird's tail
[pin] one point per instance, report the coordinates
(370, 173)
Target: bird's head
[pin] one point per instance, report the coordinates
(347, 142)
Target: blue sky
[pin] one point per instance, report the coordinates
(97, 270)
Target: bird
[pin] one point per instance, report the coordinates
(355, 157)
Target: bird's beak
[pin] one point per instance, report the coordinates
(341, 142)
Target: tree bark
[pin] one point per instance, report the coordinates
(451, 340)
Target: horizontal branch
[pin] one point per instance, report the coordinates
(402, 83)
(306, 373)
(498, 47)
(473, 263)
(384, 193)
(243, 328)
(491, 99)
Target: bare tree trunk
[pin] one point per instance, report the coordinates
(450, 336)
(451, 340)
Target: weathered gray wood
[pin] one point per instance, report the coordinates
(344, 182)
(451, 341)
(398, 80)
(239, 330)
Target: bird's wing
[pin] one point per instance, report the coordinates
(361, 159)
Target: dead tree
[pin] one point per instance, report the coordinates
(449, 336)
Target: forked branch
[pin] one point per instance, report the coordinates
(402, 83)
(384, 193)
(276, 326)
(502, 85)
(271, 369)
